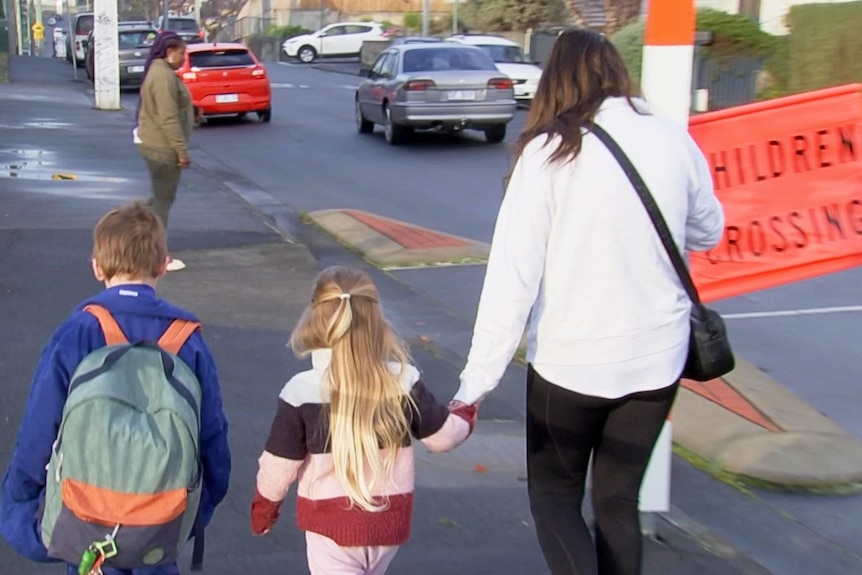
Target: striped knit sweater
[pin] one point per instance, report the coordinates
(297, 450)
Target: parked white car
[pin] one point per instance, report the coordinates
(510, 59)
(342, 39)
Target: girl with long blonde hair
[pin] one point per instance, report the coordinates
(343, 429)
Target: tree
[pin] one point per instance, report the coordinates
(506, 15)
(620, 13)
(215, 14)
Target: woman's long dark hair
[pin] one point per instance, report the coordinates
(163, 42)
(582, 71)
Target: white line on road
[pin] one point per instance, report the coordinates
(794, 312)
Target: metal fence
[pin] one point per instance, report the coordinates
(728, 81)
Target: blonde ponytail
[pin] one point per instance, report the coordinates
(368, 421)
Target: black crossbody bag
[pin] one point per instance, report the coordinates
(709, 353)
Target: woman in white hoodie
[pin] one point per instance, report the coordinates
(609, 329)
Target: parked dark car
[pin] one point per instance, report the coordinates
(134, 47)
(186, 26)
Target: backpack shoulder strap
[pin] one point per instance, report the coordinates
(113, 333)
(177, 334)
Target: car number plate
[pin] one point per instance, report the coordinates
(227, 98)
(462, 95)
(136, 69)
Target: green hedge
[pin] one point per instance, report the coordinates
(285, 32)
(733, 36)
(825, 45)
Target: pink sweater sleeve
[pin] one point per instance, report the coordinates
(275, 475)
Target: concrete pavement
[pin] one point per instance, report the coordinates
(745, 423)
(248, 284)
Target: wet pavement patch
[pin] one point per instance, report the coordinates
(36, 164)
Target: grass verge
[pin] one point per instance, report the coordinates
(746, 484)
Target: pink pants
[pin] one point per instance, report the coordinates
(326, 557)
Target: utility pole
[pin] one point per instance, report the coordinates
(15, 6)
(455, 17)
(106, 55)
(426, 9)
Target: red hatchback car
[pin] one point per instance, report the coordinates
(225, 79)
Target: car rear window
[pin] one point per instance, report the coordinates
(182, 25)
(440, 59)
(137, 39)
(506, 54)
(83, 25)
(235, 57)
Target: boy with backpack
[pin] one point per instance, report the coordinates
(122, 454)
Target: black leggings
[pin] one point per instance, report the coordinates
(563, 429)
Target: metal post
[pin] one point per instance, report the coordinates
(322, 15)
(165, 12)
(37, 44)
(198, 13)
(425, 17)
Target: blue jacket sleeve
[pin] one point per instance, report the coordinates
(215, 452)
(24, 484)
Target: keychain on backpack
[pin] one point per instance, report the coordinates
(96, 554)
(108, 547)
(88, 560)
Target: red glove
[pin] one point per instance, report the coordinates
(468, 413)
(264, 514)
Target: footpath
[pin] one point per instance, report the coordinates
(63, 164)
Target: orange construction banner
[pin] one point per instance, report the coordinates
(789, 175)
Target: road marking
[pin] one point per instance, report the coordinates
(349, 87)
(300, 86)
(794, 312)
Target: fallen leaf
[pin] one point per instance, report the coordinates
(478, 468)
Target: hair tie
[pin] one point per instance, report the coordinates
(344, 296)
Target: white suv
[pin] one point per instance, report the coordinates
(342, 39)
(510, 60)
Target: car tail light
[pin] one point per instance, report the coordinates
(501, 84)
(419, 85)
(259, 72)
(189, 77)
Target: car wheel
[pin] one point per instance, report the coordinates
(307, 54)
(363, 125)
(242, 115)
(495, 134)
(394, 133)
(265, 115)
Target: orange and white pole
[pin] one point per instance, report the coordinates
(668, 58)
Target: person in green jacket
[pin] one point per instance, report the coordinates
(165, 120)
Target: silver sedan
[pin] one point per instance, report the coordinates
(434, 86)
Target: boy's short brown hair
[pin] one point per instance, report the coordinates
(130, 241)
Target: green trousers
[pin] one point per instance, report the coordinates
(164, 177)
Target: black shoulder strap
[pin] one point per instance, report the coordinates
(199, 543)
(652, 209)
